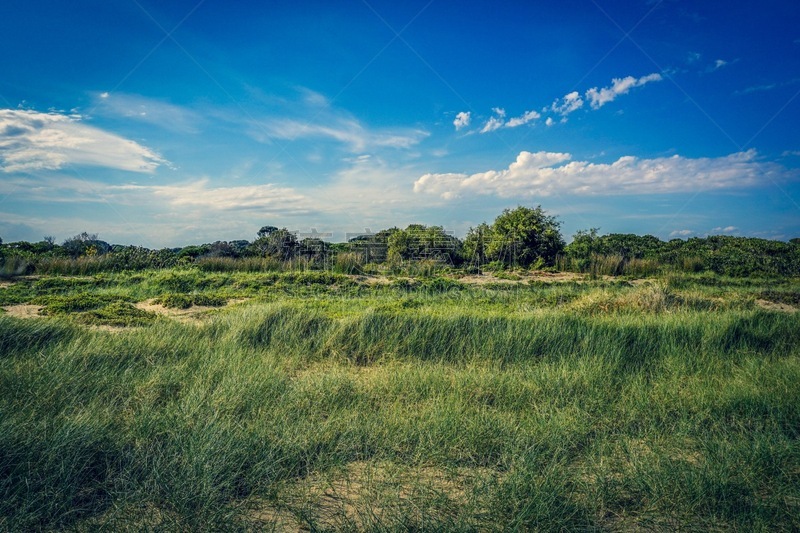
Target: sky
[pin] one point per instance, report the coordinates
(174, 123)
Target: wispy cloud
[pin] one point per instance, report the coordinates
(681, 233)
(346, 131)
(768, 86)
(599, 97)
(310, 115)
(549, 173)
(264, 197)
(31, 141)
(148, 110)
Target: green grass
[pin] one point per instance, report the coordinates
(327, 404)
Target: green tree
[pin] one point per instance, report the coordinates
(476, 242)
(277, 243)
(585, 244)
(85, 244)
(418, 241)
(525, 237)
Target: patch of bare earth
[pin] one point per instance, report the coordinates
(369, 495)
(552, 277)
(23, 311)
(194, 314)
(371, 280)
(775, 306)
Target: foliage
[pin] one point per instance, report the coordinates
(85, 244)
(420, 242)
(519, 238)
(525, 237)
(272, 242)
(185, 301)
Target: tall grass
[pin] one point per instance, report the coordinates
(451, 410)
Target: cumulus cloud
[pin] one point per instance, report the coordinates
(681, 233)
(726, 229)
(31, 141)
(570, 103)
(599, 97)
(549, 173)
(528, 116)
(462, 120)
(549, 121)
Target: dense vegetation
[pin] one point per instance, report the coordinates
(617, 382)
(327, 401)
(518, 238)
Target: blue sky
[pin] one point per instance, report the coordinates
(172, 123)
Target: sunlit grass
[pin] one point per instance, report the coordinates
(327, 404)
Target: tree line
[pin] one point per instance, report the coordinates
(522, 237)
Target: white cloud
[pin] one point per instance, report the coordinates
(31, 141)
(599, 97)
(719, 63)
(549, 173)
(726, 229)
(494, 123)
(267, 197)
(462, 120)
(528, 116)
(348, 131)
(549, 122)
(149, 110)
(681, 233)
(571, 102)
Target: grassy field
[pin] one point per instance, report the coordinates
(318, 401)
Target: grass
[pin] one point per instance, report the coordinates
(327, 404)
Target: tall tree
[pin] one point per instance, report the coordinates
(525, 237)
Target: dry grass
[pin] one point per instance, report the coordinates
(775, 306)
(366, 495)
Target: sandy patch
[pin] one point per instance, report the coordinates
(193, 314)
(775, 306)
(23, 311)
(524, 277)
(371, 280)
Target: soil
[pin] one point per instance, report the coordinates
(23, 311)
(194, 314)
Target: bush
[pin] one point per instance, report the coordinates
(185, 301)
